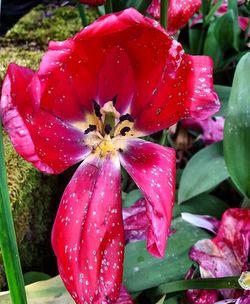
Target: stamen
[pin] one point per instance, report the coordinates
(91, 128)
(107, 129)
(124, 130)
(126, 117)
(97, 109)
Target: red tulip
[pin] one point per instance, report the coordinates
(93, 95)
(179, 12)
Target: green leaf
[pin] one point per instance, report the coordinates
(237, 128)
(212, 47)
(223, 93)
(203, 204)
(225, 31)
(205, 170)
(34, 276)
(131, 198)
(194, 39)
(142, 271)
(45, 292)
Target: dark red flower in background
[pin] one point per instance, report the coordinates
(91, 98)
(179, 12)
(93, 2)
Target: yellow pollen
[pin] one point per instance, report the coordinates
(104, 148)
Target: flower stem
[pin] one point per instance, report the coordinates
(108, 7)
(81, 9)
(8, 242)
(163, 139)
(164, 13)
(218, 283)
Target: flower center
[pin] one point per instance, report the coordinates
(106, 129)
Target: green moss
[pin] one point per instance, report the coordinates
(33, 198)
(43, 24)
(19, 56)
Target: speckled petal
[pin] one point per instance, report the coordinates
(179, 12)
(152, 167)
(50, 144)
(135, 221)
(187, 93)
(82, 65)
(88, 235)
(226, 254)
(124, 297)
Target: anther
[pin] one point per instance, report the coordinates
(126, 117)
(97, 109)
(107, 129)
(90, 129)
(124, 130)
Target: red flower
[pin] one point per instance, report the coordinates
(225, 255)
(211, 128)
(93, 95)
(93, 2)
(179, 12)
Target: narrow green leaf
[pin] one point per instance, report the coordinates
(142, 271)
(212, 47)
(237, 128)
(218, 283)
(8, 242)
(205, 170)
(213, 9)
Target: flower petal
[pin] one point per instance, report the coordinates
(212, 128)
(152, 167)
(187, 93)
(85, 61)
(203, 221)
(179, 12)
(124, 297)
(88, 236)
(135, 221)
(226, 254)
(196, 296)
(42, 139)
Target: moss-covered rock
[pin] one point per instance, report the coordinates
(33, 197)
(45, 23)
